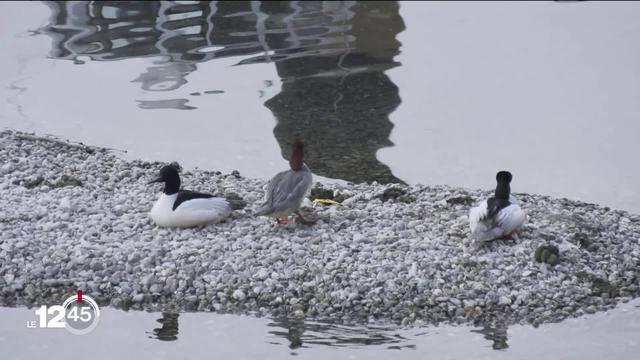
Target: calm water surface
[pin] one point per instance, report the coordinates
(435, 93)
(432, 93)
(611, 335)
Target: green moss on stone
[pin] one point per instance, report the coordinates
(461, 200)
(66, 180)
(396, 194)
(321, 193)
(599, 286)
(584, 242)
(548, 254)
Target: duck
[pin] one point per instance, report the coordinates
(286, 190)
(185, 208)
(499, 216)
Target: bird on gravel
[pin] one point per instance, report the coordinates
(499, 216)
(287, 189)
(185, 208)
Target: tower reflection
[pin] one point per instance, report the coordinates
(340, 102)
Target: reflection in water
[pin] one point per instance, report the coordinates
(169, 329)
(340, 103)
(166, 76)
(496, 333)
(299, 332)
(180, 104)
(183, 35)
(303, 334)
(331, 57)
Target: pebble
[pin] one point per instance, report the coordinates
(239, 295)
(65, 203)
(6, 168)
(504, 300)
(406, 262)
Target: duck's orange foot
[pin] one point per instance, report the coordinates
(282, 221)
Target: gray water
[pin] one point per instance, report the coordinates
(127, 335)
(431, 93)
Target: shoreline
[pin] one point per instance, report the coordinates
(78, 219)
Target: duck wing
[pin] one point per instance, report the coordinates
(185, 195)
(510, 218)
(207, 207)
(477, 214)
(286, 191)
(494, 206)
(273, 184)
(494, 218)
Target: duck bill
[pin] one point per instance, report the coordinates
(156, 180)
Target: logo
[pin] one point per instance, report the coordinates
(78, 314)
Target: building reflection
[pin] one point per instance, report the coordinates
(340, 102)
(331, 57)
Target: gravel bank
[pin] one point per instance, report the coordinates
(77, 218)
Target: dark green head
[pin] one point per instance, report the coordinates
(169, 176)
(503, 189)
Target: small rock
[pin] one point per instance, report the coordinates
(239, 295)
(65, 203)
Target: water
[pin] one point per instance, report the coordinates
(431, 93)
(436, 93)
(610, 335)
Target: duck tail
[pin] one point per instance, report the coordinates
(235, 201)
(237, 204)
(262, 210)
(483, 233)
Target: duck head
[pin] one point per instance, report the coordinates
(296, 156)
(169, 176)
(504, 176)
(503, 190)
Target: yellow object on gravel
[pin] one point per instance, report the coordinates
(326, 202)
